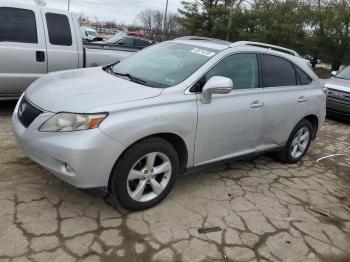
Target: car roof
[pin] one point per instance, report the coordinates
(218, 44)
(211, 43)
(17, 4)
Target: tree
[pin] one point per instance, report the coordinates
(152, 21)
(317, 27)
(82, 17)
(331, 31)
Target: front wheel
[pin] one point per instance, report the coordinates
(145, 174)
(298, 143)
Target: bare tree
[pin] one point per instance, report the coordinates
(152, 21)
(146, 19)
(173, 29)
(82, 17)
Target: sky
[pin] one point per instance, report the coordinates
(120, 11)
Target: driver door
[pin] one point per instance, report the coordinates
(230, 125)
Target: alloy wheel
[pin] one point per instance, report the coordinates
(300, 142)
(149, 176)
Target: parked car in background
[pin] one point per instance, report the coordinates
(338, 97)
(125, 40)
(89, 34)
(35, 40)
(129, 129)
(137, 34)
(313, 60)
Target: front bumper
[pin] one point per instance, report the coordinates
(84, 159)
(338, 107)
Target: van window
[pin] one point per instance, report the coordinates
(59, 29)
(277, 71)
(17, 25)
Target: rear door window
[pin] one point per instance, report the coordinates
(141, 43)
(127, 41)
(18, 25)
(59, 29)
(277, 71)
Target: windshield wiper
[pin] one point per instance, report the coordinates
(133, 78)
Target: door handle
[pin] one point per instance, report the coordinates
(257, 104)
(302, 99)
(40, 56)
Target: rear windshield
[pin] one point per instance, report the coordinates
(165, 64)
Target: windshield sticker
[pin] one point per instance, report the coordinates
(202, 52)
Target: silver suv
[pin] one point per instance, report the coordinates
(129, 129)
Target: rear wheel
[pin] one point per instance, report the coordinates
(298, 143)
(145, 174)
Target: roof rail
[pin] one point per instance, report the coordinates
(268, 46)
(200, 38)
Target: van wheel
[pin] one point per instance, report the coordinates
(144, 175)
(298, 143)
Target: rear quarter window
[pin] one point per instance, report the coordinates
(18, 25)
(59, 29)
(304, 79)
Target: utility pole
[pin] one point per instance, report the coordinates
(68, 4)
(164, 21)
(229, 26)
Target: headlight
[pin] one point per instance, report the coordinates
(67, 122)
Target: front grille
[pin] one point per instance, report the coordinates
(27, 112)
(341, 96)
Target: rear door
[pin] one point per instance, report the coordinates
(284, 100)
(22, 49)
(62, 45)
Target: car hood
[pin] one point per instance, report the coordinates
(338, 84)
(85, 89)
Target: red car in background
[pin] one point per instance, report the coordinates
(136, 34)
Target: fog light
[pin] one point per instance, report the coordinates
(68, 168)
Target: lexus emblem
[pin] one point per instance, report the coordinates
(22, 108)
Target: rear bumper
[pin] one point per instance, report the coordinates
(84, 159)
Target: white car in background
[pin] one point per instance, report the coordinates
(50, 41)
(89, 34)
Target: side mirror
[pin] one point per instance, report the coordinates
(216, 85)
(334, 73)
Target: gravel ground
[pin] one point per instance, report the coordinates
(263, 207)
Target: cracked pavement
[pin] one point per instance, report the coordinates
(262, 206)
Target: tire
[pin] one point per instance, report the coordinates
(286, 154)
(129, 176)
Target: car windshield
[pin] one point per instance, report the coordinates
(164, 65)
(344, 74)
(116, 37)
